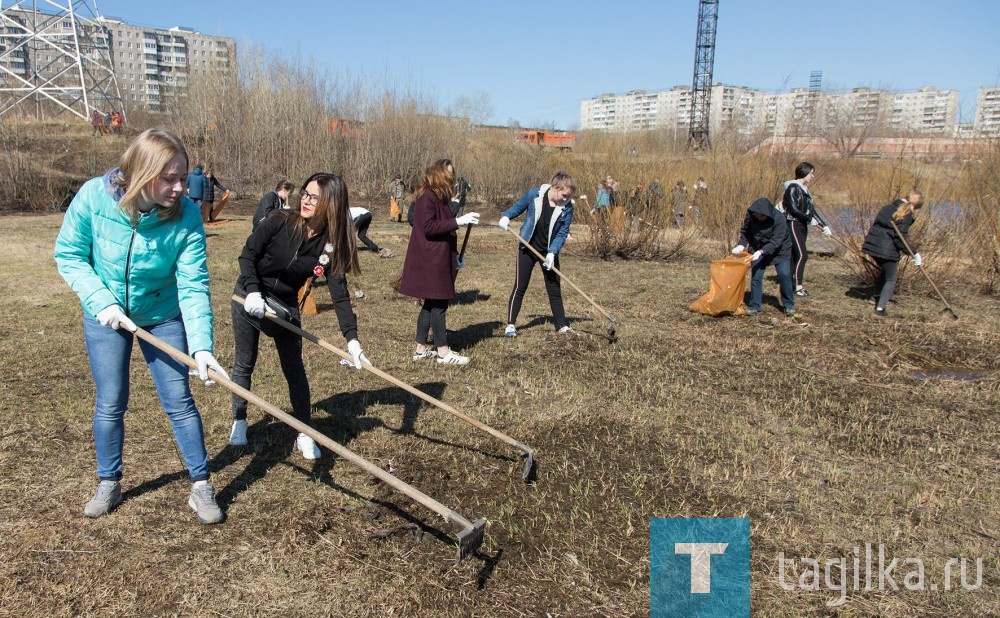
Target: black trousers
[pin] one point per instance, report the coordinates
(886, 284)
(362, 223)
(431, 317)
(526, 261)
(799, 232)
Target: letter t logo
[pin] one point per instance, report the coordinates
(701, 563)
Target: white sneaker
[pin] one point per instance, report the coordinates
(238, 436)
(307, 446)
(510, 331)
(566, 330)
(453, 359)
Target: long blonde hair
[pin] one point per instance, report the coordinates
(142, 162)
(915, 199)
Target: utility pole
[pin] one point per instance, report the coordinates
(704, 62)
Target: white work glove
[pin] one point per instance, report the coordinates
(756, 255)
(550, 260)
(114, 317)
(207, 361)
(460, 261)
(917, 261)
(504, 223)
(827, 231)
(469, 218)
(738, 249)
(814, 222)
(254, 304)
(354, 349)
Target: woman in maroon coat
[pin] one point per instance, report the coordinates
(432, 259)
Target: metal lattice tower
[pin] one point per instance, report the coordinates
(704, 61)
(55, 57)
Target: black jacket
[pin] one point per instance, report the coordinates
(798, 204)
(770, 235)
(274, 263)
(270, 201)
(882, 241)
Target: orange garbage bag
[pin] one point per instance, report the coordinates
(726, 287)
(394, 211)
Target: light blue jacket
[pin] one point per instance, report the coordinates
(155, 271)
(562, 216)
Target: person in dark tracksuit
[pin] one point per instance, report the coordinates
(765, 233)
(273, 200)
(545, 228)
(798, 205)
(884, 245)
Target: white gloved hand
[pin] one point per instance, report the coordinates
(756, 255)
(504, 223)
(550, 260)
(917, 261)
(814, 222)
(469, 218)
(827, 231)
(207, 361)
(460, 261)
(738, 249)
(254, 304)
(354, 349)
(114, 317)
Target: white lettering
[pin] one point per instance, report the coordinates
(701, 563)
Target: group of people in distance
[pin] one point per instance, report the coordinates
(132, 246)
(777, 237)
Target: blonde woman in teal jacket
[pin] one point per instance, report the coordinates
(132, 247)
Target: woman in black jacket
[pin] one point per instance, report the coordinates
(798, 205)
(884, 245)
(284, 251)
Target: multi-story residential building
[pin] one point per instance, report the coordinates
(988, 112)
(147, 62)
(150, 62)
(798, 112)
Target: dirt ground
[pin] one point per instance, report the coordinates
(829, 431)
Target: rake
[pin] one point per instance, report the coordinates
(470, 538)
(528, 464)
(614, 323)
(947, 307)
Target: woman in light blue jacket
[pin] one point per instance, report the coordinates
(546, 225)
(132, 247)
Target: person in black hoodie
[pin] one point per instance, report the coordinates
(284, 251)
(884, 245)
(273, 200)
(798, 205)
(765, 233)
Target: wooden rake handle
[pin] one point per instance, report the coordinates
(562, 276)
(921, 269)
(393, 380)
(293, 422)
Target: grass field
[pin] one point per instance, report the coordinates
(830, 431)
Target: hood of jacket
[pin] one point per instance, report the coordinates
(764, 207)
(789, 183)
(196, 171)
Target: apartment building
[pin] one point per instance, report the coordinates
(147, 62)
(800, 111)
(988, 112)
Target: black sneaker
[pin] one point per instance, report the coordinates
(881, 312)
(801, 293)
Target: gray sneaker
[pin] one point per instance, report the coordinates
(202, 500)
(107, 497)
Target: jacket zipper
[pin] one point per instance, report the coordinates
(128, 267)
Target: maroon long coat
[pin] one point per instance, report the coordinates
(431, 257)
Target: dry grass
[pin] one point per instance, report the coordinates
(684, 416)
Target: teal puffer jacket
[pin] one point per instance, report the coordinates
(155, 271)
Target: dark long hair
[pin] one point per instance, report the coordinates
(331, 219)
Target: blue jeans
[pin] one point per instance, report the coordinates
(784, 269)
(110, 353)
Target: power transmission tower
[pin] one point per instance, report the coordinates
(55, 59)
(704, 61)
